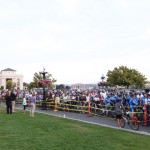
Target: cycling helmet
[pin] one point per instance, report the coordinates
(118, 99)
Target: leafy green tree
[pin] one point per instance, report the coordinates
(60, 87)
(2, 87)
(9, 84)
(25, 85)
(32, 85)
(124, 76)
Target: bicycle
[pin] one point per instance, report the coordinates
(132, 121)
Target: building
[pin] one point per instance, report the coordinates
(10, 74)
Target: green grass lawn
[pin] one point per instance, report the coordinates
(43, 132)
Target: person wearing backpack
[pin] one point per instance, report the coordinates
(118, 111)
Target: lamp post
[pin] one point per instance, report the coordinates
(102, 78)
(44, 93)
(44, 77)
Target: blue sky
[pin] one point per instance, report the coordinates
(75, 40)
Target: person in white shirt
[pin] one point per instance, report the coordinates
(87, 98)
(104, 94)
(24, 103)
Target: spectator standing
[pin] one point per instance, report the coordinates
(24, 103)
(32, 101)
(13, 96)
(8, 102)
(118, 110)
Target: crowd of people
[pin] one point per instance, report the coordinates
(133, 100)
(11, 96)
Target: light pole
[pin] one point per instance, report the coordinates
(44, 93)
(102, 78)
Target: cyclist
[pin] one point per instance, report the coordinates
(133, 102)
(118, 110)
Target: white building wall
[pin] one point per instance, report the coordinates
(12, 75)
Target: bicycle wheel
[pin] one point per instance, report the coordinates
(134, 125)
(123, 123)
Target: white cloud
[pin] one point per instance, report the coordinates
(68, 6)
(147, 33)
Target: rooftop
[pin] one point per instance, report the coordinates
(8, 69)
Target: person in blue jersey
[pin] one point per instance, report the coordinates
(39, 97)
(127, 97)
(112, 99)
(143, 99)
(136, 102)
(132, 103)
(107, 100)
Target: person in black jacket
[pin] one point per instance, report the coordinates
(8, 103)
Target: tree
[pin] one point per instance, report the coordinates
(68, 87)
(2, 87)
(32, 85)
(124, 76)
(9, 84)
(25, 85)
(60, 87)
